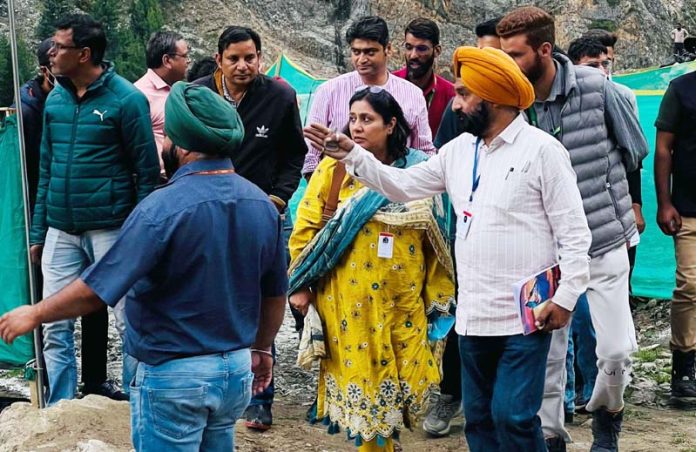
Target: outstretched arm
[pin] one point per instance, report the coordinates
(75, 300)
(419, 181)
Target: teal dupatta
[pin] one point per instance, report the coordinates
(325, 250)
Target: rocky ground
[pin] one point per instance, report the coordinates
(96, 424)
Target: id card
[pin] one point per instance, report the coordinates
(465, 223)
(385, 245)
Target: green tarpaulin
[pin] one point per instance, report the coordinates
(302, 82)
(14, 276)
(654, 79)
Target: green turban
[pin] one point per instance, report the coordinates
(198, 119)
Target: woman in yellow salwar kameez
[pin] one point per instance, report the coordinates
(374, 296)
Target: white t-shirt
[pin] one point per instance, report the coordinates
(679, 35)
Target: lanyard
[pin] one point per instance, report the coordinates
(475, 177)
(534, 121)
(531, 114)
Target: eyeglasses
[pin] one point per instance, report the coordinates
(421, 48)
(184, 56)
(58, 47)
(373, 89)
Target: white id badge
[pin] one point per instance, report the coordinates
(465, 223)
(385, 245)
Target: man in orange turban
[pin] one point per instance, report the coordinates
(492, 88)
(518, 210)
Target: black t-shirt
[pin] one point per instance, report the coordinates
(678, 116)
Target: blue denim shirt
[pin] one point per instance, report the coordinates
(200, 254)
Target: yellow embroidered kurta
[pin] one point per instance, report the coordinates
(380, 367)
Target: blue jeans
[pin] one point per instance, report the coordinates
(190, 404)
(502, 389)
(581, 347)
(65, 257)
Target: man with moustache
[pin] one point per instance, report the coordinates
(448, 403)
(273, 148)
(422, 47)
(582, 109)
(167, 57)
(515, 195)
(368, 39)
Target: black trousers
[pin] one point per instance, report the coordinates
(95, 329)
(452, 368)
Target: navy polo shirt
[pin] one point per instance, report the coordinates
(198, 256)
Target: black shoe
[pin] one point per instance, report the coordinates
(683, 378)
(568, 417)
(556, 444)
(107, 389)
(258, 417)
(581, 408)
(606, 427)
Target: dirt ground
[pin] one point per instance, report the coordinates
(100, 426)
(645, 429)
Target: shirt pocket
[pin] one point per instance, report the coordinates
(517, 186)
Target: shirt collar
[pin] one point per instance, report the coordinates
(508, 135)
(202, 165)
(156, 80)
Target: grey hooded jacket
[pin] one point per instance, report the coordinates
(601, 131)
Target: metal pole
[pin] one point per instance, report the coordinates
(25, 192)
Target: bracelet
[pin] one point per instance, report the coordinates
(265, 352)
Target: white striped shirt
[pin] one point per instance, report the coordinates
(330, 108)
(527, 215)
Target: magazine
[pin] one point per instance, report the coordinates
(533, 293)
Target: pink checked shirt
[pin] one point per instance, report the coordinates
(330, 107)
(156, 90)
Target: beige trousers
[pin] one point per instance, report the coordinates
(684, 297)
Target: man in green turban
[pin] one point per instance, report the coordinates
(203, 262)
(198, 120)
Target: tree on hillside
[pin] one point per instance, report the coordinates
(130, 61)
(146, 18)
(51, 12)
(107, 12)
(27, 65)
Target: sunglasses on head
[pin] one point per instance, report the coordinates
(372, 88)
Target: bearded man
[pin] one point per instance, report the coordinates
(421, 48)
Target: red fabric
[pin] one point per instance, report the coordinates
(442, 91)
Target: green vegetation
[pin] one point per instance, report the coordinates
(604, 24)
(27, 63)
(127, 25)
(647, 355)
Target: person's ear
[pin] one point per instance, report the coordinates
(438, 50)
(218, 60)
(166, 61)
(85, 55)
(388, 49)
(391, 126)
(546, 49)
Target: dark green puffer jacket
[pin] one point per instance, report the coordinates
(98, 156)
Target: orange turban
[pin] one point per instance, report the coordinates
(493, 76)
